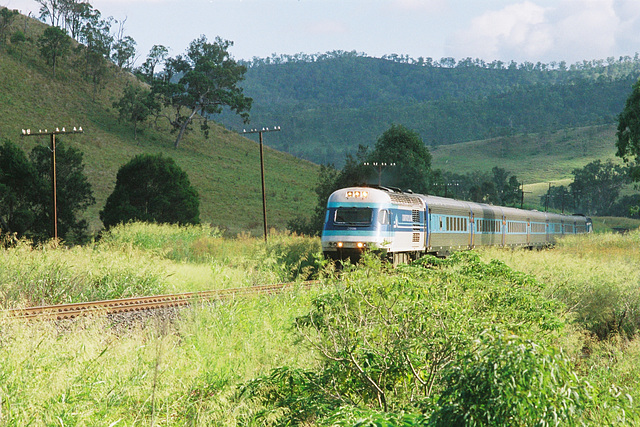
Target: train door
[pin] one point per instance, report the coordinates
(528, 231)
(548, 236)
(428, 231)
(471, 229)
(425, 225)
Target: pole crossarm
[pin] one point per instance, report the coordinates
(27, 132)
(273, 129)
(380, 166)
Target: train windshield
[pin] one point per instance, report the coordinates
(353, 216)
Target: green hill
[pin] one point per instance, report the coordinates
(534, 158)
(334, 102)
(225, 168)
(538, 160)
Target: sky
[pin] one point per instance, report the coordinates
(530, 30)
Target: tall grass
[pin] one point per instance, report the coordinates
(161, 372)
(285, 257)
(186, 370)
(54, 275)
(597, 276)
(172, 241)
(147, 259)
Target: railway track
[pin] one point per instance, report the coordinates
(125, 305)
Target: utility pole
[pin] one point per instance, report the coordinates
(380, 165)
(52, 134)
(264, 197)
(522, 195)
(546, 204)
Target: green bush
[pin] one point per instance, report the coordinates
(506, 380)
(385, 337)
(152, 188)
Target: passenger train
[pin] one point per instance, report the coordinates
(404, 225)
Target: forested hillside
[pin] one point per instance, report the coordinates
(329, 104)
(224, 168)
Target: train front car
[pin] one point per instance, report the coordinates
(361, 218)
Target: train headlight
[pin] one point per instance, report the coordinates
(360, 245)
(357, 194)
(340, 244)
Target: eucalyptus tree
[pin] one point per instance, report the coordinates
(7, 16)
(54, 44)
(124, 52)
(201, 83)
(156, 56)
(136, 105)
(628, 134)
(51, 10)
(97, 39)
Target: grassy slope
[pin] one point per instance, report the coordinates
(536, 159)
(533, 158)
(225, 169)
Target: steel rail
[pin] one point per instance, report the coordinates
(73, 310)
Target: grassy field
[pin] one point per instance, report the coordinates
(225, 364)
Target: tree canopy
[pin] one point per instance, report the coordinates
(403, 148)
(18, 185)
(26, 204)
(152, 188)
(202, 82)
(54, 44)
(596, 187)
(628, 134)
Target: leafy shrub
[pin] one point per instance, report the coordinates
(385, 337)
(152, 188)
(293, 394)
(508, 380)
(288, 257)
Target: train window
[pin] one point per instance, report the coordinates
(355, 216)
(383, 217)
(516, 227)
(538, 227)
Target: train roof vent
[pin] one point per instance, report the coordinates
(404, 199)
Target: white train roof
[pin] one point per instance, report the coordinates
(384, 195)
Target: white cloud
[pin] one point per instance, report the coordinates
(627, 35)
(516, 31)
(569, 30)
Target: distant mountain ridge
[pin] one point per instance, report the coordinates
(329, 104)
